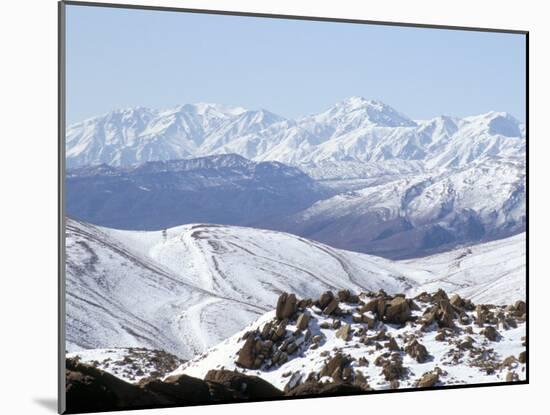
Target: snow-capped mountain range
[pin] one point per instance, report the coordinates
(354, 129)
(414, 214)
(186, 289)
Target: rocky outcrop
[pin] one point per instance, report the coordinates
(344, 343)
(89, 389)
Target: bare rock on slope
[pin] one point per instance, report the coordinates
(286, 306)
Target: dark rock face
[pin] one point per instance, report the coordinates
(245, 387)
(326, 389)
(89, 389)
(180, 388)
(92, 390)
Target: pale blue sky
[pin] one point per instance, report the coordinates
(124, 58)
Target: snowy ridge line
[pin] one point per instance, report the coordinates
(354, 129)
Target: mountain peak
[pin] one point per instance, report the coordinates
(373, 112)
(497, 123)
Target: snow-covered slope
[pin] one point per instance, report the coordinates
(492, 272)
(190, 287)
(117, 297)
(413, 214)
(353, 129)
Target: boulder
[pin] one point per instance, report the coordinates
(456, 301)
(428, 380)
(325, 299)
(397, 311)
(293, 382)
(440, 295)
(520, 307)
(417, 351)
(491, 333)
(247, 354)
(392, 345)
(303, 321)
(331, 307)
(393, 370)
(522, 358)
(371, 306)
(445, 314)
(509, 362)
(344, 332)
(512, 377)
(338, 361)
(286, 306)
(369, 321)
(343, 295)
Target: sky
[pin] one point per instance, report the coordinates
(118, 58)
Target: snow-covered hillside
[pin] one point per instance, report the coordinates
(353, 129)
(490, 273)
(418, 213)
(117, 297)
(188, 288)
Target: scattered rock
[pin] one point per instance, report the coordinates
(491, 333)
(428, 380)
(344, 332)
(325, 299)
(331, 307)
(247, 354)
(397, 311)
(293, 382)
(512, 377)
(417, 351)
(392, 345)
(303, 321)
(286, 306)
(393, 370)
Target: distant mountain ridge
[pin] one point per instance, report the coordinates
(226, 189)
(353, 129)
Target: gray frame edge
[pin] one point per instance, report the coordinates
(61, 401)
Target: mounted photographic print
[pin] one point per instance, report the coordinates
(261, 207)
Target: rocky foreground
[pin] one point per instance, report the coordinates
(338, 344)
(376, 341)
